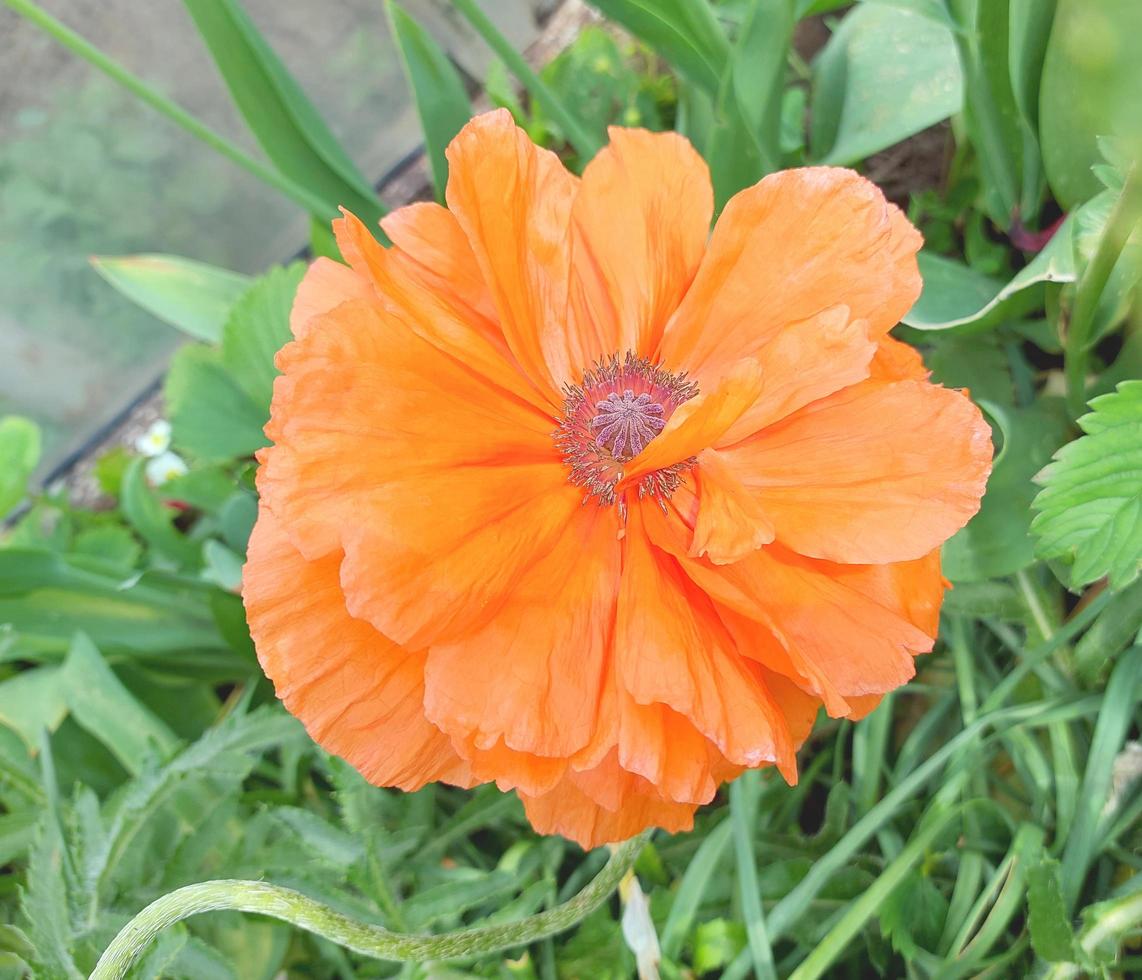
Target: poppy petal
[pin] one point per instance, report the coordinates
(638, 231)
(364, 405)
(730, 522)
(787, 248)
(358, 694)
(326, 284)
(876, 473)
(533, 676)
(513, 201)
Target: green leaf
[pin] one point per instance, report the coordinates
(716, 943)
(110, 543)
(1112, 632)
(152, 520)
(998, 541)
(885, 75)
(278, 112)
(955, 295)
(211, 416)
(32, 701)
(256, 329)
(686, 34)
(437, 88)
(1090, 508)
(104, 707)
(193, 296)
(1052, 935)
(45, 904)
(1091, 87)
(913, 916)
(19, 457)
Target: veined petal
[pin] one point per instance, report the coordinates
(638, 231)
(797, 243)
(672, 649)
(570, 810)
(326, 285)
(365, 407)
(513, 201)
(533, 676)
(876, 473)
(358, 694)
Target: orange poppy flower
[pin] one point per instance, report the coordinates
(568, 493)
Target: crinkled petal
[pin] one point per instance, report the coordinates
(366, 411)
(359, 695)
(672, 649)
(797, 243)
(876, 473)
(326, 285)
(437, 311)
(638, 231)
(730, 523)
(570, 809)
(533, 676)
(513, 201)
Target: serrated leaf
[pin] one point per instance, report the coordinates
(151, 520)
(193, 296)
(1052, 935)
(1090, 508)
(211, 416)
(256, 329)
(45, 905)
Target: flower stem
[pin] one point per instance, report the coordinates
(368, 940)
(1120, 226)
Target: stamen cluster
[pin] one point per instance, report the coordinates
(621, 404)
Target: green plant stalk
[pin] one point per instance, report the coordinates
(1123, 222)
(585, 144)
(306, 913)
(740, 813)
(175, 113)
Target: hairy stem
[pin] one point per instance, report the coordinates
(368, 940)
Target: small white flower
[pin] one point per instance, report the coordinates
(156, 440)
(165, 466)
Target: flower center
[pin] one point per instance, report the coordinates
(608, 419)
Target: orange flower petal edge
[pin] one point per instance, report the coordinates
(570, 495)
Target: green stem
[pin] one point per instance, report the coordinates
(1120, 226)
(585, 144)
(369, 940)
(175, 113)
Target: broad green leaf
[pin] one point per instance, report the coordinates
(32, 701)
(193, 296)
(1090, 507)
(19, 456)
(1052, 936)
(111, 543)
(279, 114)
(437, 88)
(45, 598)
(955, 295)
(154, 523)
(1091, 87)
(716, 943)
(211, 416)
(256, 329)
(997, 541)
(685, 33)
(100, 703)
(885, 75)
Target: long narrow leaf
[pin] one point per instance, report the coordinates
(441, 99)
(277, 111)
